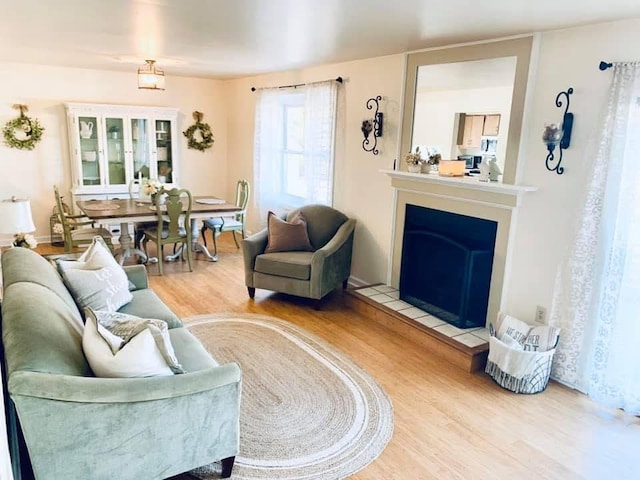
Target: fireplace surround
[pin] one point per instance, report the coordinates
(496, 202)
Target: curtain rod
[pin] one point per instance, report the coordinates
(604, 65)
(338, 79)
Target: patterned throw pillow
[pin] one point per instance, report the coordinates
(287, 236)
(96, 280)
(118, 345)
(542, 338)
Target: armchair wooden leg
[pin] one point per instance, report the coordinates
(317, 304)
(227, 466)
(252, 292)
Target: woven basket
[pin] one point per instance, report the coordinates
(524, 371)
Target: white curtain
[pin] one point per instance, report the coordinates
(268, 146)
(597, 294)
(320, 104)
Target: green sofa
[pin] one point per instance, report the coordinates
(77, 426)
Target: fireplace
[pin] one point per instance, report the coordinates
(446, 264)
(466, 196)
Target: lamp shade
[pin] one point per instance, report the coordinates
(15, 216)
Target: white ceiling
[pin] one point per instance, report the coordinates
(233, 38)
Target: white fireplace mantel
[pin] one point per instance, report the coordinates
(461, 188)
(493, 201)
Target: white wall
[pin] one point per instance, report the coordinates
(568, 58)
(32, 174)
(360, 190)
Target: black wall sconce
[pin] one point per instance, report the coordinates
(374, 125)
(555, 134)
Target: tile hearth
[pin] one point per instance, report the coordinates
(389, 297)
(466, 349)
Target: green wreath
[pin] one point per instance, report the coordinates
(205, 134)
(31, 128)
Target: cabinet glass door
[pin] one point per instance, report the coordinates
(89, 148)
(140, 147)
(164, 151)
(114, 152)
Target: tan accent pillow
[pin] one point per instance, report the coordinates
(287, 236)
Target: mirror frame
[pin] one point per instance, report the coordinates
(519, 48)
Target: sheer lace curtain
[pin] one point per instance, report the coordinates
(597, 294)
(320, 105)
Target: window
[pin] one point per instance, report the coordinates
(294, 144)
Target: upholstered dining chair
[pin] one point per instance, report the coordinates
(78, 230)
(177, 210)
(233, 224)
(314, 266)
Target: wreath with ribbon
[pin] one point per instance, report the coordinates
(201, 130)
(30, 128)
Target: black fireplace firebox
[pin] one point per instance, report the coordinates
(446, 265)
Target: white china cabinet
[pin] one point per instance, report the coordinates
(110, 145)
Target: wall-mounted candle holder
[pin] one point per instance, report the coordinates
(372, 126)
(558, 135)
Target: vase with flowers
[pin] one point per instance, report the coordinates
(25, 240)
(414, 161)
(152, 189)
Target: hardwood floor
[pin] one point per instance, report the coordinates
(449, 424)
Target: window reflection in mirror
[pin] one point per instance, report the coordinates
(462, 109)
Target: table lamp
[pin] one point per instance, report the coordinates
(15, 216)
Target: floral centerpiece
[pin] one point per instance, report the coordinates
(413, 160)
(152, 188)
(25, 240)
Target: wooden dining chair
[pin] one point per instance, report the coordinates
(138, 227)
(233, 224)
(177, 210)
(78, 230)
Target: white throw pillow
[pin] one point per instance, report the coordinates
(513, 328)
(96, 280)
(136, 355)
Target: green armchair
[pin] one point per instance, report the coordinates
(304, 274)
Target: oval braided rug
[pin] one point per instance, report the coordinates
(307, 411)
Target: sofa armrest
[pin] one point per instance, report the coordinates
(69, 388)
(331, 264)
(252, 247)
(137, 275)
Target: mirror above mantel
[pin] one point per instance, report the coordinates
(452, 85)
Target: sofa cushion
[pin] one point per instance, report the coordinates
(285, 264)
(96, 280)
(138, 357)
(24, 265)
(147, 304)
(41, 332)
(190, 352)
(287, 236)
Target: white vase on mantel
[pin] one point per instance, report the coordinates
(414, 168)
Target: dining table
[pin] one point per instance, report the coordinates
(126, 211)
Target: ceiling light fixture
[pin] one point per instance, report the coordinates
(150, 77)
